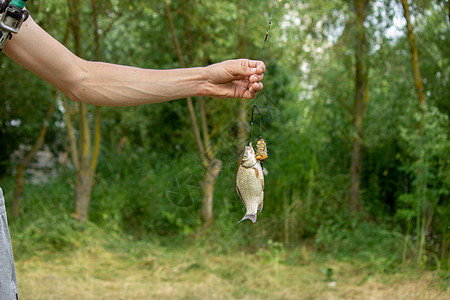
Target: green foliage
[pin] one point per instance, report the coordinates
(429, 147)
(49, 226)
(375, 244)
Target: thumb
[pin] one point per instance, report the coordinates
(240, 70)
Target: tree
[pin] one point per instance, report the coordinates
(84, 156)
(360, 103)
(414, 56)
(209, 161)
(421, 167)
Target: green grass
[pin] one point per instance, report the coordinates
(104, 265)
(168, 254)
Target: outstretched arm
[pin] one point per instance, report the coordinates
(115, 85)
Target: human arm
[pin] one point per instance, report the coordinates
(116, 85)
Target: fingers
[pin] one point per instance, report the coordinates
(252, 90)
(256, 66)
(257, 86)
(256, 78)
(246, 67)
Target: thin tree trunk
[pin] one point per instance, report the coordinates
(414, 56)
(84, 178)
(71, 134)
(206, 141)
(97, 114)
(212, 170)
(97, 140)
(190, 105)
(208, 184)
(211, 164)
(83, 174)
(425, 215)
(360, 104)
(85, 157)
(19, 187)
(67, 112)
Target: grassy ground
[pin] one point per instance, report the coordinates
(155, 272)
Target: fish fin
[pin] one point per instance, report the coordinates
(249, 217)
(256, 172)
(260, 206)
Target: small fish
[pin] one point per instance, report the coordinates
(250, 183)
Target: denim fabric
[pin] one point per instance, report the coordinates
(8, 280)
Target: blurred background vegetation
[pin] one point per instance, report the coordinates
(358, 143)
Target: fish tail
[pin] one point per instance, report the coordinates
(249, 217)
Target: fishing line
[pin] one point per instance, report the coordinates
(268, 30)
(253, 110)
(262, 55)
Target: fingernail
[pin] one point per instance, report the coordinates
(253, 70)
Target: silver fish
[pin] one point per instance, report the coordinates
(250, 184)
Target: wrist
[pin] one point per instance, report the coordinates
(205, 86)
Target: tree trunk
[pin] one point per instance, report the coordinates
(84, 175)
(83, 190)
(19, 187)
(85, 157)
(424, 218)
(414, 56)
(360, 104)
(355, 171)
(211, 164)
(208, 184)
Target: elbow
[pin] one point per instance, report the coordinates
(75, 86)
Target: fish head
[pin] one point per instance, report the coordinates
(248, 157)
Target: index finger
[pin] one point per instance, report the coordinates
(255, 66)
(258, 65)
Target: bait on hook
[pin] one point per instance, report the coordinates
(261, 150)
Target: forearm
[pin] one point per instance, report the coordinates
(116, 85)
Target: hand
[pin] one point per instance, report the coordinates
(240, 78)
